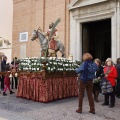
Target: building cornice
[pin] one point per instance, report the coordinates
(89, 2)
(17, 1)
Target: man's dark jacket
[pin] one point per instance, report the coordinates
(3, 66)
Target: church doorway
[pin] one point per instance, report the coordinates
(96, 39)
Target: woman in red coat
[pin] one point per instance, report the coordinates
(111, 76)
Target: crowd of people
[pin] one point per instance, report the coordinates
(93, 69)
(6, 78)
(89, 71)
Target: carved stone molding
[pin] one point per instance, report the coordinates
(94, 9)
(81, 3)
(95, 17)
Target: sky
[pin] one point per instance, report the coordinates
(6, 21)
(6, 18)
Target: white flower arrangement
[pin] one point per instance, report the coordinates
(52, 64)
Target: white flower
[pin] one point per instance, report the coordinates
(51, 69)
(54, 63)
(29, 61)
(66, 64)
(48, 68)
(50, 58)
(37, 68)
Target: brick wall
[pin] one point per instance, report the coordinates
(30, 14)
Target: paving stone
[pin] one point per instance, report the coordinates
(12, 108)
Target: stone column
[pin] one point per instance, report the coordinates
(73, 36)
(118, 29)
(79, 41)
(114, 38)
(80, 49)
(75, 39)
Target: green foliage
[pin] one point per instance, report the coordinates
(51, 64)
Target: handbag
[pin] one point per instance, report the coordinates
(106, 86)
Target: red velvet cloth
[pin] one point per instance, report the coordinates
(50, 89)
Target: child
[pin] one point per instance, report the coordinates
(7, 84)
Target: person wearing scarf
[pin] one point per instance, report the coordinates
(86, 81)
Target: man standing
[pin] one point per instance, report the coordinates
(3, 68)
(53, 40)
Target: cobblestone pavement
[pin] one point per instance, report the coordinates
(12, 108)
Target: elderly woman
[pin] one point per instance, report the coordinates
(110, 74)
(87, 70)
(96, 85)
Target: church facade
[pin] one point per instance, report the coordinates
(95, 28)
(86, 26)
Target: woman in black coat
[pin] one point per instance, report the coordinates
(96, 83)
(3, 69)
(118, 79)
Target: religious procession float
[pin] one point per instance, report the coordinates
(47, 79)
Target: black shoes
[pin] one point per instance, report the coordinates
(93, 112)
(104, 104)
(11, 92)
(111, 106)
(96, 100)
(79, 111)
(4, 94)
